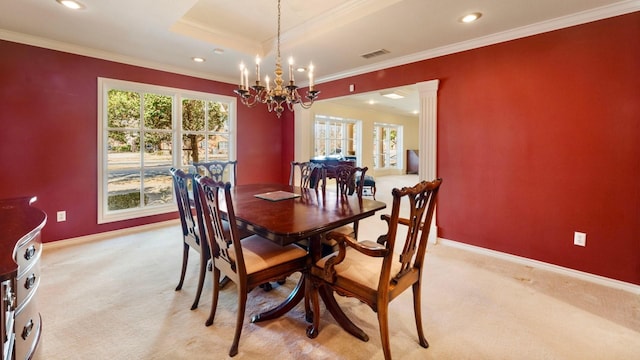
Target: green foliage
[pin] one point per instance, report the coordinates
(157, 111)
(192, 115)
(126, 201)
(218, 117)
(123, 109)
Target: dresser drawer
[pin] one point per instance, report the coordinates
(28, 253)
(27, 285)
(27, 326)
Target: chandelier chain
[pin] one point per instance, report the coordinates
(281, 94)
(278, 30)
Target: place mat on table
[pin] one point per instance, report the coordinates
(277, 195)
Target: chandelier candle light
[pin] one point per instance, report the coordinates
(280, 94)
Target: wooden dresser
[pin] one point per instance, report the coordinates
(21, 247)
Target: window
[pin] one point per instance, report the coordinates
(335, 136)
(205, 131)
(385, 145)
(144, 130)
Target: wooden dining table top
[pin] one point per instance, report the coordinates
(293, 219)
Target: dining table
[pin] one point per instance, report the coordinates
(289, 214)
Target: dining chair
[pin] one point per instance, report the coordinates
(227, 171)
(375, 272)
(191, 237)
(310, 175)
(248, 263)
(219, 170)
(346, 185)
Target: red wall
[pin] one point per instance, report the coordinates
(537, 138)
(48, 133)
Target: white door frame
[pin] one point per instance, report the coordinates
(428, 128)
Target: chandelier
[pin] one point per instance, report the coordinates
(276, 96)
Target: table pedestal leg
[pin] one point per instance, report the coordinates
(290, 302)
(339, 315)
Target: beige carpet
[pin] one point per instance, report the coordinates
(114, 299)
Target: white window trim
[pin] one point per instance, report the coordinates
(104, 85)
(344, 121)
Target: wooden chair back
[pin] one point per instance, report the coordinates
(219, 170)
(191, 236)
(311, 175)
(345, 176)
(181, 184)
(210, 194)
(422, 203)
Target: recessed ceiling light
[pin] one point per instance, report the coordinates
(198, 59)
(397, 94)
(371, 102)
(393, 96)
(471, 17)
(218, 51)
(301, 69)
(71, 4)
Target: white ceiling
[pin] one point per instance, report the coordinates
(166, 34)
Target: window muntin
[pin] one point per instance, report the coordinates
(139, 128)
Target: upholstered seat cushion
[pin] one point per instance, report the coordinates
(368, 180)
(260, 253)
(345, 230)
(361, 268)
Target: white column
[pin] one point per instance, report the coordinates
(303, 131)
(303, 135)
(428, 128)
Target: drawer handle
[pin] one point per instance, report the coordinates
(30, 281)
(27, 329)
(28, 254)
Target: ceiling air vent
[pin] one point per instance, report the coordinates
(375, 53)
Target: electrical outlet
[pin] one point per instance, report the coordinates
(62, 216)
(579, 238)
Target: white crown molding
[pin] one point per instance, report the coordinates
(104, 55)
(583, 17)
(592, 278)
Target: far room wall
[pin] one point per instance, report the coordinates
(369, 117)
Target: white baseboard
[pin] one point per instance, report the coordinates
(109, 234)
(597, 279)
